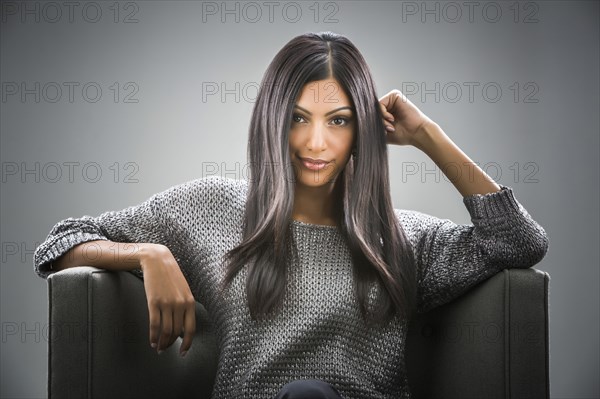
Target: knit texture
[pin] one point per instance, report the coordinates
(319, 332)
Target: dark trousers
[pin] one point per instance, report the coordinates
(308, 389)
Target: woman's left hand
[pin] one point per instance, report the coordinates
(406, 119)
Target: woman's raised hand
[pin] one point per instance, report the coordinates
(171, 305)
(404, 118)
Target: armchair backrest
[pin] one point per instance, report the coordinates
(491, 342)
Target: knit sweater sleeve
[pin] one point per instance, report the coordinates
(156, 220)
(451, 258)
(134, 224)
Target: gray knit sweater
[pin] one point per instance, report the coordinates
(319, 332)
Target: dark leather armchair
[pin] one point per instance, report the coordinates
(491, 342)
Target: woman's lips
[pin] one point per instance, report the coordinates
(317, 165)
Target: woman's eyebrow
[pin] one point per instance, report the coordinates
(330, 112)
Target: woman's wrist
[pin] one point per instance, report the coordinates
(150, 251)
(428, 136)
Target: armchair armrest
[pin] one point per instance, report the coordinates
(492, 342)
(98, 344)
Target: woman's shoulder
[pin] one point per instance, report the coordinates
(413, 219)
(206, 192)
(207, 187)
(416, 223)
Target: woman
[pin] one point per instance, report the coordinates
(307, 271)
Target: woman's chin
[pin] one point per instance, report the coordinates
(315, 180)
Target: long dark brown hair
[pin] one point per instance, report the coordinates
(379, 246)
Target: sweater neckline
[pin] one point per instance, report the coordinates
(313, 226)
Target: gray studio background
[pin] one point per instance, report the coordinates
(104, 104)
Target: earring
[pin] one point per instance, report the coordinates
(354, 154)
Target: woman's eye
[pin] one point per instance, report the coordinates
(345, 121)
(295, 116)
(337, 121)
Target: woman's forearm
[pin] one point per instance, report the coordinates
(104, 254)
(465, 175)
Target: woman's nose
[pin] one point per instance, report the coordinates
(316, 138)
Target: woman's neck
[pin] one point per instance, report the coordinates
(316, 205)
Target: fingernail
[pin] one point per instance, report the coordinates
(160, 351)
(183, 353)
(153, 345)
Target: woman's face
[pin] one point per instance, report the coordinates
(322, 130)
